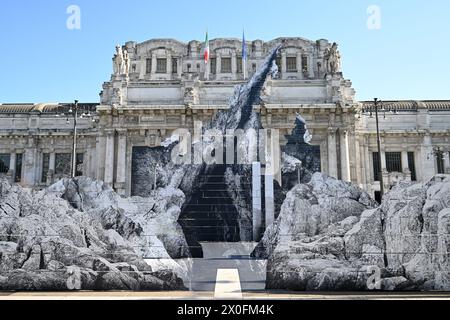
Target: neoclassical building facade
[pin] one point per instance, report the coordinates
(161, 85)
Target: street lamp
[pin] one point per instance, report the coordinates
(375, 110)
(74, 141)
(379, 148)
(73, 112)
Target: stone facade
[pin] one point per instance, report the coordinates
(162, 85)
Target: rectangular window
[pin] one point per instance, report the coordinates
(412, 166)
(239, 64)
(225, 65)
(45, 166)
(161, 65)
(376, 166)
(174, 65)
(4, 162)
(62, 163)
(440, 162)
(19, 158)
(304, 64)
(394, 162)
(148, 66)
(79, 167)
(213, 65)
(291, 64)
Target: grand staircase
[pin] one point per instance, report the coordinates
(209, 215)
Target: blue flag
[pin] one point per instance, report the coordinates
(244, 55)
(244, 47)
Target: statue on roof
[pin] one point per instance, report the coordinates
(118, 61)
(333, 59)
(126, 60)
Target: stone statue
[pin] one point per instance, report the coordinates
(118, 61)
(126, 59)
(333, 59)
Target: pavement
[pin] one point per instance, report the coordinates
(226, 272)
(205, 295)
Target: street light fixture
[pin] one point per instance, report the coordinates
(375, 110)
(74, 141)
(73, 112)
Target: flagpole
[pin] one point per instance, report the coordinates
(206, 57)
(244, 55)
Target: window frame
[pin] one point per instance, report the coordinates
(161, 65)
(291, 61)
(148, 65)
(222, 65)
(5, 163)
(394, 161)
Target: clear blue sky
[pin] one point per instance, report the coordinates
(43, 61)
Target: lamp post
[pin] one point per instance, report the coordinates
(371, 111)
(380, 173)
(73, 112)
(74, 141)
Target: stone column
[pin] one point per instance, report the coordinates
(109, 158)
(30, 164)
(428, 164)
(299, 65)
(12, 163)
(153, 64)
(345, 156)
(383, 161)
(405, 166)
(363, 162)
(169, 64)
(101, 150)
(143, 69)
(283, 64)
(179, 67)
(121, 162)
(256, 200)
(332, 153)
(311, 66)
(269, 200)
(234, 64)
(218, 64)
(52, 161)
(366, 167)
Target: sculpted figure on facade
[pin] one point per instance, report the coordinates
(118, 61)
(126, 60)
(333, 59)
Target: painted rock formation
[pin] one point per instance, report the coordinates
(79, 234)
(331, 236)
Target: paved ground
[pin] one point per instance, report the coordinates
(228, 255)
(225, 272)
(189, 295)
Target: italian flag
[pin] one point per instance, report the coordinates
(206, 49)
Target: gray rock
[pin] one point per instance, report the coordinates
(312, 209)
(406, 239)
(79, 234)
(366, 238)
